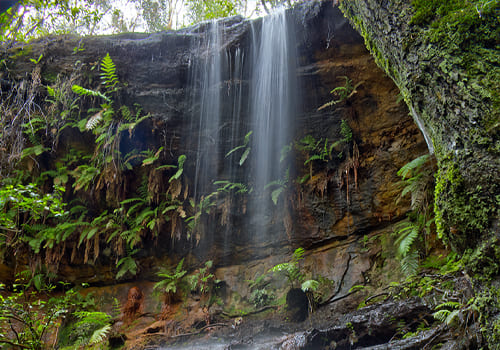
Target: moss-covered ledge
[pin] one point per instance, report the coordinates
(445, 58)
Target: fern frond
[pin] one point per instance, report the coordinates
(407, 235)
(452, 316)
(441, 315)
(99, 334)
(108, 75)
(79, 90)
(409, 264)
(244, 156)
(309, 286)
(449, 305)
(93, 121)
(276, 193)
(412, 166)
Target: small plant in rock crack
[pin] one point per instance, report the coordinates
(171, 283)
(260, 296)
(343, 92)
(293, 274)
(202, 281)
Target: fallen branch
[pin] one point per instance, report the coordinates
(251, 312)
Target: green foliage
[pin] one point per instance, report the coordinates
(202, 280)
(245, 147)
(321, 151)
(411, 235)
(108, 74)
(210, 9)
(87, 92)
(180, 168)
(343, 92)
(231, 187)
(309, 286)
(170, 281)
(89, 328)
(291, 269)
(23, 210)
(126, 265)
(29, 315)
(279, 187)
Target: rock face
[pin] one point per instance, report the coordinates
(348, 198)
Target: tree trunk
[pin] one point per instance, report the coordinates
(454, 107)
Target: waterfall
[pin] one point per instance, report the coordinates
(272, 111)
(238, 90)
(207, 117)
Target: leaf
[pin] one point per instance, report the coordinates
(99, 334)
(441, 315)
(93, 121)
(234, 150)
(79, 90)
(108, 75)
(409, 264)
(244, 156)
(276, 193)
(309, 286)
(412, 166)
(127, 264)
(51, 91)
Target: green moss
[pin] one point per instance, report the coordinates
(484, 261)
(462, 210)
(466, 34)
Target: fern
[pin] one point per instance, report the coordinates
(126, 265)
(99, 335)
(409, 264)
(413, 166)
(449, 305)
(276, 193)
(170, 280)
(246, 148)
(309, 286)
(180, 169)
(441, 315)
(408, 233)
(79, 90)
(108, 73)
(93, 121)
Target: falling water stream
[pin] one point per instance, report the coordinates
(271, 113)
(240, 91)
